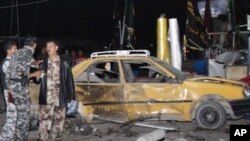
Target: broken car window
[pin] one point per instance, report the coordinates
(104, 72)
(180, 76)
(143, 72)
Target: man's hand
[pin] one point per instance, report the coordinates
(36, 74)
(37, 62)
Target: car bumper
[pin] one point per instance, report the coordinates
(240, 107)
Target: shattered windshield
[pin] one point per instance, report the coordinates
(179, 74)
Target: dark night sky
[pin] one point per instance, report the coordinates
(89, 19)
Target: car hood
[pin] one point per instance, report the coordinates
(217, 81)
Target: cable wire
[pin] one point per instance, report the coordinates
(11, 18)
(23, 4)
(18, 24)
(35, 17)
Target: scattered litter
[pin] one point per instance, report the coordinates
(153, 136)
(179, 139)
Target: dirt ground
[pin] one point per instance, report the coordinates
(103, 132)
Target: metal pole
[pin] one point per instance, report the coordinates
(120, 34)
(156, 127)
(123, 24)
(139, 124)
(248, 61)
(234, 40)
(233, 13)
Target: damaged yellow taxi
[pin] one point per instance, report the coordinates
(130, 84)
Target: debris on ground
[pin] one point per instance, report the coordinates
(153, 136)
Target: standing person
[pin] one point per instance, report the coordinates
(17, 80)
(9, 126)
(80, 57)
(57, 89)
(42, 54)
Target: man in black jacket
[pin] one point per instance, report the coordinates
(57, 89)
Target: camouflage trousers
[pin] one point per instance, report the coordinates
(3, 105)
(6, 96)
(22, 101)
(51, 122)
(8, 130)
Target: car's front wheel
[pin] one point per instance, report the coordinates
(210, 115)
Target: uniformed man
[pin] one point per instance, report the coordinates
(17, 80)
(57, 89)
(9, 126)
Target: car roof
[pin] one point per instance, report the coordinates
(120, 53)
(120, 58)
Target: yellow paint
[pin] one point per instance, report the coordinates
(163, 51)
(167, 100)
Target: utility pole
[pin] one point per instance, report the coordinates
(123, 27)
(248, 59)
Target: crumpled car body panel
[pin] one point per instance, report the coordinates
(127, 100)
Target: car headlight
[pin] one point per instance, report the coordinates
(247, 93)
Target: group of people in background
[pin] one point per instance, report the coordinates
(56, 90)
(77, 57)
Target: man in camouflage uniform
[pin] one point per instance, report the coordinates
(57, 89)
(17, 79)
(52, 107)
(9, 126)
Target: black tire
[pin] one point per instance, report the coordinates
(210, 115)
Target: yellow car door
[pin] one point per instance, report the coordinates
(149, 91)
(99, 88)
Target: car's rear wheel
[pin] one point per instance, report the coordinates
(210, 115)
